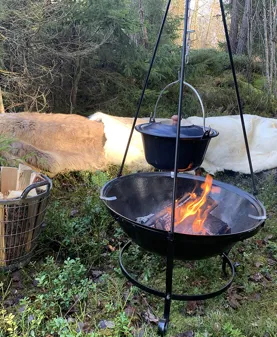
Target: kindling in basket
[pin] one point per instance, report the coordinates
(23, 201)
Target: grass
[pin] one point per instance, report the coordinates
(73, 286)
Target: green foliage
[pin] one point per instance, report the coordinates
(55, 53)
(79, 223)
(5, 146)
(73, 295)
(63, 285)
(231, 331)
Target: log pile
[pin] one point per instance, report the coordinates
(19, 218)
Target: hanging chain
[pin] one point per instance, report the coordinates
(190, 31)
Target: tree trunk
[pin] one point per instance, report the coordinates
(75, 84)
(243, 34)
(210, 23)
(274, 37)
(272, 44)
(2, 109)
(266, 44)
(143, 28)
(234, 25)
(194, 25)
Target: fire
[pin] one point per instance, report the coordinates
(194, 207)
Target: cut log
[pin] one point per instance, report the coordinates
(17, 194)
(8, 179)
(31, 222)
(35, 178)
(215, 226)
(162, 219)
(212, 225)
(23, 177)
(2, 235)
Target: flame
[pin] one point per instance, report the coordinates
(194, 207)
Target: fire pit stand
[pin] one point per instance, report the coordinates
(133, 196)
(163, 323)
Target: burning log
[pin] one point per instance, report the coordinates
(210, 225)
(192, 214)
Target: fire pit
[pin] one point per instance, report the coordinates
(210, 218)
(173, 214)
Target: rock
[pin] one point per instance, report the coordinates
(106, 324)
(186, 334)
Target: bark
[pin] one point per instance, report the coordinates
(272, 45)
(194, 25)
(75, 84)
(243, 34)
(274, 37)
(234, 25)
(2, 109)
(210, 23)
(266, 44)
(143, 27)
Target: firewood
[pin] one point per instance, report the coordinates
(31, 222)
(17, 194)
(2, 235)
(212, 225)
(186, 226)
(8, 179)
(23, 177)
(35, 178)
(215, 226)
(162, 219)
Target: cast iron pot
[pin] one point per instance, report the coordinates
(137, 195)
(159, 141)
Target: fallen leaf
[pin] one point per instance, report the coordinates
(233, 297)
(258, 264)
(255, 297)
(267, 238)
(260, 243)
(16, 276)
(130, 311)
(111, 248)
(233, 302)
(256, 277)
(268, 276)
(271, 262)
(139, 332)
(96, 273)
(191, 308)
(150, 318)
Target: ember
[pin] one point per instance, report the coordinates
(193, 214)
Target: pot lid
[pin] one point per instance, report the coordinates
(170, 131)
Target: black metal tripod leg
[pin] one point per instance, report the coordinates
(162, 327)
(225, 262)
(163, 323)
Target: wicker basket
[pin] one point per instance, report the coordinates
(21, 221)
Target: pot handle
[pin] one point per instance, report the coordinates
(153, 115)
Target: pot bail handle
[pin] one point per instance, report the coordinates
(153, 115)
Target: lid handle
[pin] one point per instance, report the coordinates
(153, 115)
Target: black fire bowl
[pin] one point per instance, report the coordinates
(137, 195)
